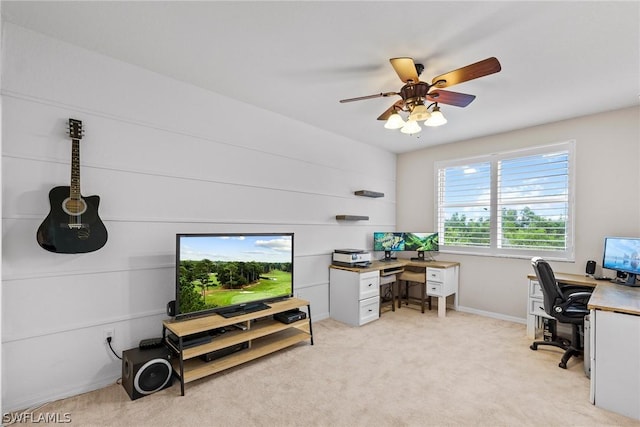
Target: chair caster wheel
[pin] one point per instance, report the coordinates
(562, 365)
(533, 347)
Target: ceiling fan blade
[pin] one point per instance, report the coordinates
(470, 72)
(360, 98)
(450, 98)
(395, 107)
(405, 68)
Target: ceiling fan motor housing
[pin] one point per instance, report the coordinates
(414, 93)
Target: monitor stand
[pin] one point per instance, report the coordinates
(421, 257)
(630, 281)
(387, 257)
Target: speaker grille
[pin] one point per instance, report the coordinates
(152, 376)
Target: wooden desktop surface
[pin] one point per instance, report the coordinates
(606, 295)
(573, 279)
(397, 265)
(612, 297)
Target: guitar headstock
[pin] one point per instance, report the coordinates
(75, 129)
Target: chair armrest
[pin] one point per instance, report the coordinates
(569, 289)
(577, 297)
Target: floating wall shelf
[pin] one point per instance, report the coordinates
(352, 217)
(367, 193)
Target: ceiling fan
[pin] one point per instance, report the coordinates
(415, 93)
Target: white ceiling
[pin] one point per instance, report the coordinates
(559, 59)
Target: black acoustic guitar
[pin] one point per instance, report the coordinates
(73, 225)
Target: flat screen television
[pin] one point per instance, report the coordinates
(623, 255)
(232, 273)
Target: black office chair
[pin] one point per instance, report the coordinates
(566, 305)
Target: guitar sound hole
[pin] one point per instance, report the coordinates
(74, 206)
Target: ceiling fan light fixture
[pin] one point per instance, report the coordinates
(394, 121)
(436, 119)
(419, 113)
(411, 127)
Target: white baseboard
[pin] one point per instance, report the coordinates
(41, 399)
(491, 314)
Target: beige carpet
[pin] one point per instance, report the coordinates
(405, 369)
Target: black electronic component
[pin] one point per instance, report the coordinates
(150, 343)
(290, 316)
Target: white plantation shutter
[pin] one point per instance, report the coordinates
(508, 204)
(464, 193)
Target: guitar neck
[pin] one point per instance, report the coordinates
(75, 170)
(75, 132)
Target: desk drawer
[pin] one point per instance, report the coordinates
(535, 290)
(435, 274)
(369, 285)
(536, 307)
(434, 289)
(369, 310)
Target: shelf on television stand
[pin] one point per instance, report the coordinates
(263, 334)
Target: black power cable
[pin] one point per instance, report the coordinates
(114, 353)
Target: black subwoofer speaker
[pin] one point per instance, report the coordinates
(146, 371)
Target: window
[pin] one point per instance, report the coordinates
(516, 203)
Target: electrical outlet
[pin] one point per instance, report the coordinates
(108, 332)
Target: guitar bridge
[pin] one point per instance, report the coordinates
(77, 226)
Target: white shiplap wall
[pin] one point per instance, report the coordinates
(165, 157)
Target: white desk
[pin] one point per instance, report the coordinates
(351, 289)
(614, 340)
(615, 349)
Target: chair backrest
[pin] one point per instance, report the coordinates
(550, 288)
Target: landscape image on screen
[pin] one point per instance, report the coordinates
(422, 242)
(622, 254)
(220, 271)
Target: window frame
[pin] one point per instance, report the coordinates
(568, 254)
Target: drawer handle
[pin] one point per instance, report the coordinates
(370, 284)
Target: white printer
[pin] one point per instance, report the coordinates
(351, 257)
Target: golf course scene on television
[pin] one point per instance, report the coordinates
(221, 271)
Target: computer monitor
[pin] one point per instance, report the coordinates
(388, 242)
(421, 242)
(623, 255)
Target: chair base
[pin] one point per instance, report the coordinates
(569, 350)
(568, 346)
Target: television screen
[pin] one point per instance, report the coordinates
(622, 254)
(226, 272)
(388, 241)
(421, 242)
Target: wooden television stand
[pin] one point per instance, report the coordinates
(259, 334)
